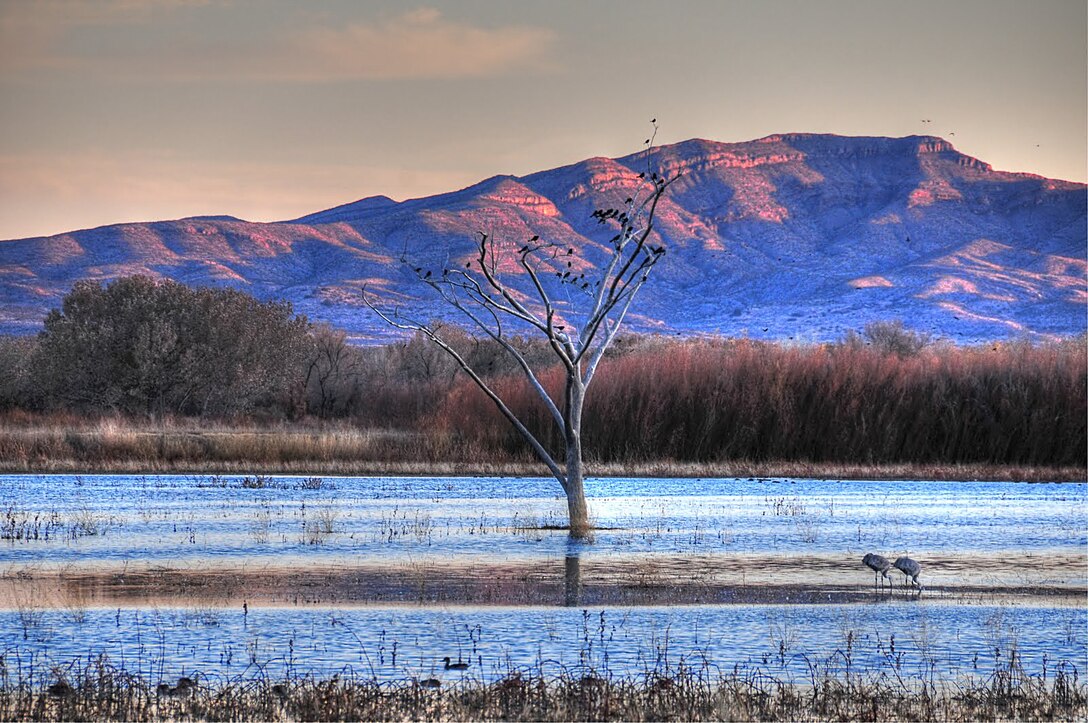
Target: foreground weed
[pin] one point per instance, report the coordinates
(103, 691)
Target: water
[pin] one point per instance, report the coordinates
(394, 643)
(68, 522)
(172, 518)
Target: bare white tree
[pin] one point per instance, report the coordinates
(577, 312)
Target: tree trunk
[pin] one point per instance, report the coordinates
(576, 494)
(572, 579)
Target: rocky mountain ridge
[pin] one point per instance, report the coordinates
(792, 236)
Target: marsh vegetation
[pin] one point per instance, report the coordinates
(886, 402)
(101, 691)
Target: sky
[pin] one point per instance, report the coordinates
(136, 110)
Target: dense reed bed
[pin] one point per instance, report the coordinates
(894, 408)
(716, 400)
(101, 691)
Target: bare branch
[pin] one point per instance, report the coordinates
(518, 357)
(541, 452)
(606, 301)
(484, 294)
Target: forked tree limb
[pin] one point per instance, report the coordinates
(486, 299)
(541, 452)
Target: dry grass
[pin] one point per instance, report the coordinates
(66, 444)
(100, 691)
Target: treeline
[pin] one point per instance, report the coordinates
(153, 348)
(140, 347)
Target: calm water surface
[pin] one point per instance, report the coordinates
(391, 643)
(176, 519)
(193, 518)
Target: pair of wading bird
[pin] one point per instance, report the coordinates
(880, 566)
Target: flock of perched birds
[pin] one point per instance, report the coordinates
(880, 566)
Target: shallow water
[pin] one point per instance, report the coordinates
(170, 518)
(392, 643)
(67, 523)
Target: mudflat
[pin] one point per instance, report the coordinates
(1026, 578)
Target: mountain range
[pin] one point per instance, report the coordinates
(795, 236)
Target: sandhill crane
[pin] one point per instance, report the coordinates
(454, 666)
(910, 570)
(879, 565)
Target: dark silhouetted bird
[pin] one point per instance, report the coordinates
(60, 689)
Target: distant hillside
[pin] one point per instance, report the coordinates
(791, 236)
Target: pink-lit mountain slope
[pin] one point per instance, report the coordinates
(791, 236)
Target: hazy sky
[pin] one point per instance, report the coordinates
(129, 110)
